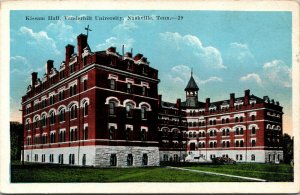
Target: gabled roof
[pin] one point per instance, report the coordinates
(192, 84)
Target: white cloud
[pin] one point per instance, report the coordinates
(62, 31)
(211, 79)
(207, 56)
(126, 25)
(278, 72)
(252, 77)
(116, 42)
(41, 39)
(182, 73)
(240, 51)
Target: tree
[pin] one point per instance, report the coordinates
(16, 140)
(288, 148)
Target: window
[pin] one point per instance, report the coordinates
(241, 131)
(43, 157)
(37, 140)
(144, 91)
(253, 130)
(129, 88)
(85, 84)
(85, 109)
(72, 90)
(112, 132)
(241, 157)
(241, 143)
(62, 136)
(227, 144)
(27, 126)
(71, 159)
(51, 158)
(52, 118)
(145, 159)
(44, 138)
(252, 157)
(227, 120)
(112, 108)
(51, 100)
(253, 117)
(61, 95)
(253, 143)
(112, 84)
(237, 157)
(227, 132)
(215, 144)
(236, 119)
(85, 133)
(143, 135)
(72, 68)
(237, 144)
(129, 160)
(36, 158)
(113, 160)
(61, 159)
(61, 74)
(52, 137)
(44, 120)
(129, 112)
(62, 115)
(143, 112)
(241, 119)
(84, 159)
(223, 144)
(73, 134)
(73, 112)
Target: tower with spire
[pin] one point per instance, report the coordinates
(191, 91)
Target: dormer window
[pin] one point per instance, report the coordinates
(61, 75)
(129, 65)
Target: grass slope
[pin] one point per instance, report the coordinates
(57, 173)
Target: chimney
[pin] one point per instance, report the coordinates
(277, 103)
(178, 103)
(232, 98)
(247, 97)
(272, 101)
(33, 78)
(69, 52)
(266, 99)
(138, 56)
(112, 49)
(207, 104)
(128, 55)
(144, 59)
(49, 66)
(81, 44)
(159, 100)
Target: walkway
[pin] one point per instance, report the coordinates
(220, 174)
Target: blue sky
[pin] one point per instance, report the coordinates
(229, 51)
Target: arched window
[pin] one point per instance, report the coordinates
(253, 117)
(236, 119)
(237, 144)
(52, 137)
(237, 131)
(241, 131)
(227, 120)
(241, 143)
(62, 115)
(253, 131)
(223, 121)
(215, 133)
(227, 132)
(73, 134)
(223, 132)
(52, 118)
(211, 133)
(194, 134)
(44, 120)
(85, 109)
(215, 144)
(227, 144)
(253, 143)
(129, 111)
(112, 108)
(223, 144)
(144, 110)
(241, 119)
(27, 124)
(73, 112)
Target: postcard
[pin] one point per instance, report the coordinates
(149, 97)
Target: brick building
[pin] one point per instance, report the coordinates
(103, 109)
(246, 129)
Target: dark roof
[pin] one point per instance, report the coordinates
(191, 84)
(168, 104)
(219, 103)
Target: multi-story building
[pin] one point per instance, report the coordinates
(103, 109)
(98, 108)
(246, 129)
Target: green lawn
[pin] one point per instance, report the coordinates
(56, 173)
(269, 172)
